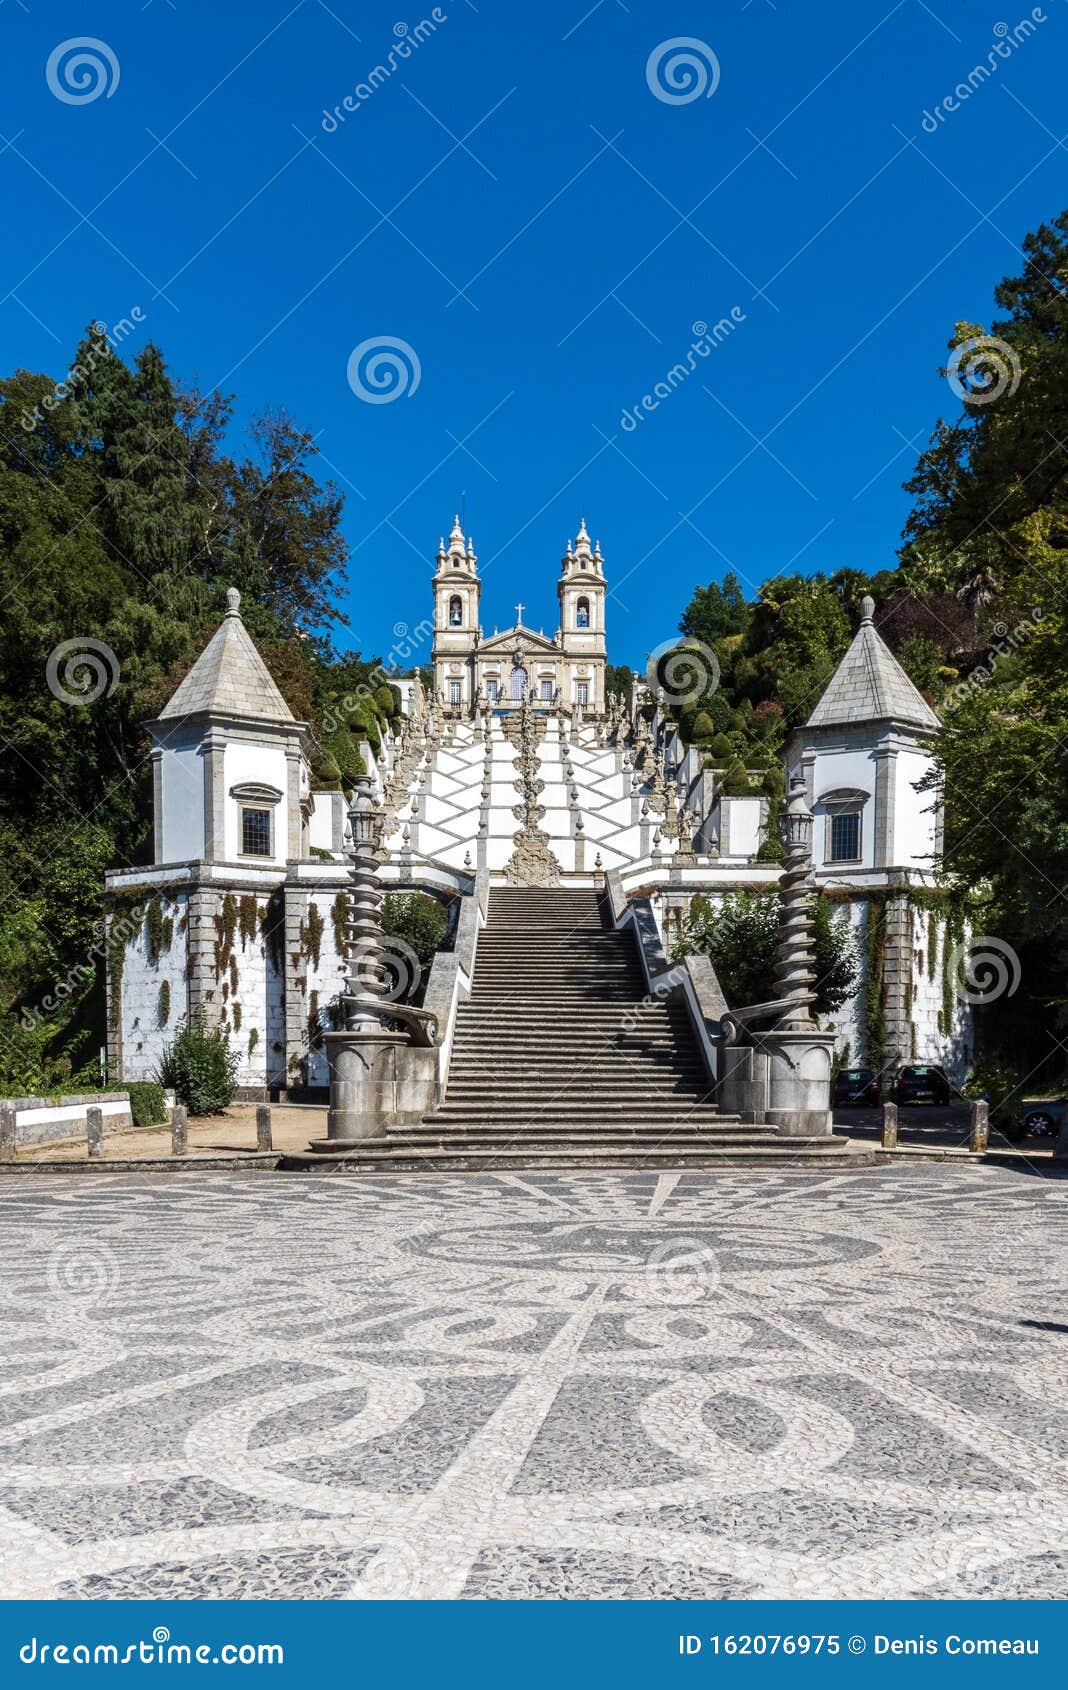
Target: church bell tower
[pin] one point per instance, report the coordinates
(456, 627)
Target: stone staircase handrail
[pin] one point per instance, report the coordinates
(693, 977)
(452, 972)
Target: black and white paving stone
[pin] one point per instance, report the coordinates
(571, 1385)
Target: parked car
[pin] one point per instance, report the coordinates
(856, 1088)
(1045, 1119)
(922, 1082)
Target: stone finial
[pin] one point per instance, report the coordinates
(233, 602)
(867, 608)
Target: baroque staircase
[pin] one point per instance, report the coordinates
(560, 1060)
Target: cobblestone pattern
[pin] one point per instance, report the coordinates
(625, 1385)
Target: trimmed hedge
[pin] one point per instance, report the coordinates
(147, 1103)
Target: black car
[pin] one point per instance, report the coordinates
(1045, 1120)
(856, 1088)
(922, 1082)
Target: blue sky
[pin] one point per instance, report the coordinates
(543, 230)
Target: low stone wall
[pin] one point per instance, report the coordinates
(46, 1120)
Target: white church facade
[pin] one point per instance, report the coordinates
(239, 917)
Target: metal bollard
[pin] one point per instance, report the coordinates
(889, 1126)
(94, 1130)
(7, 1132)
(179, 1130)
(263, 1127)
(979, 1126)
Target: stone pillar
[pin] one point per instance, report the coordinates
(179, 1130)
(202, 989)
(292, 835)
(94, 1130)
(889, 1126)
(979, 1126)
(7, 1132)
(214, 796)
(897, 983)
(263, 1126)
(296, 983)
(800, 1056)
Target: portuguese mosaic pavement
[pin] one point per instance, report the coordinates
(535, 1385)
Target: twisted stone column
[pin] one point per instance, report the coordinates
(795, 973)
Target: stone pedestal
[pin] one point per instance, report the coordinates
(362, 1085)
(799, 1081)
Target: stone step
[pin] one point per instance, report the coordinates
(799, 1155)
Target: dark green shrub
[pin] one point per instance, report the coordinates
(703, 725)
(147, 1104)
(419, 923)
(721, 749)
(200, 1068)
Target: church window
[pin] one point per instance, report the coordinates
(845, 836)
(493, 688)
(255, 832)
(582, 613)
(547, 691)
(456, 692)
(519, 682)
(456, 611)
(582, 692)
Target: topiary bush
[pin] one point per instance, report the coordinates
(147, 1103)
(200, 1068)
(703, 726)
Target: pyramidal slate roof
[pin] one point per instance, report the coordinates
(869, 685)
(229, 677)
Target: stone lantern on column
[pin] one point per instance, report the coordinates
(362, 1051)
(800, 1055)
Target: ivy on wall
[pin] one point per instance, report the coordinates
(159, 930)
(164, 1002)
(339, 914)
(311, 933)
(875, 982)
(273, 928)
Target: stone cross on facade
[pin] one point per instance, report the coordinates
(519, 609)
